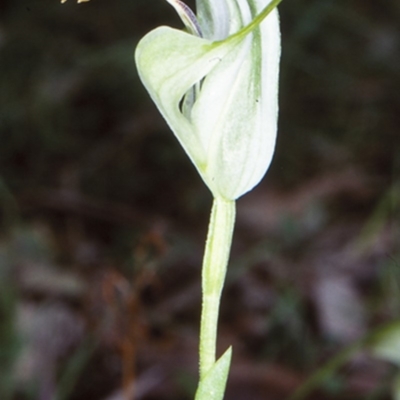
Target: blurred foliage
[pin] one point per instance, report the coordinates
(72, 110)
(9, 341)
(339, 99)
(383, 342)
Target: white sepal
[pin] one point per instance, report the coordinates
(229, 89)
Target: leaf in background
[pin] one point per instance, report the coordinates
(387, 344)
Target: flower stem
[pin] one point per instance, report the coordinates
(216, 256)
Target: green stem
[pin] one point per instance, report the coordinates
(215, 263)
(254, 23)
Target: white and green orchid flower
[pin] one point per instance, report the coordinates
(217, 87)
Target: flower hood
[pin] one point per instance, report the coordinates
(217, 87)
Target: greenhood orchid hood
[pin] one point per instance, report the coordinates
(216, 84)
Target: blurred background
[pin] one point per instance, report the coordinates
(103, 218)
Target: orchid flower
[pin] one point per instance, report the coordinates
(216, 84)
(217, 87)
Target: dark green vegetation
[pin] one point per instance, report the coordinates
(103, 217)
